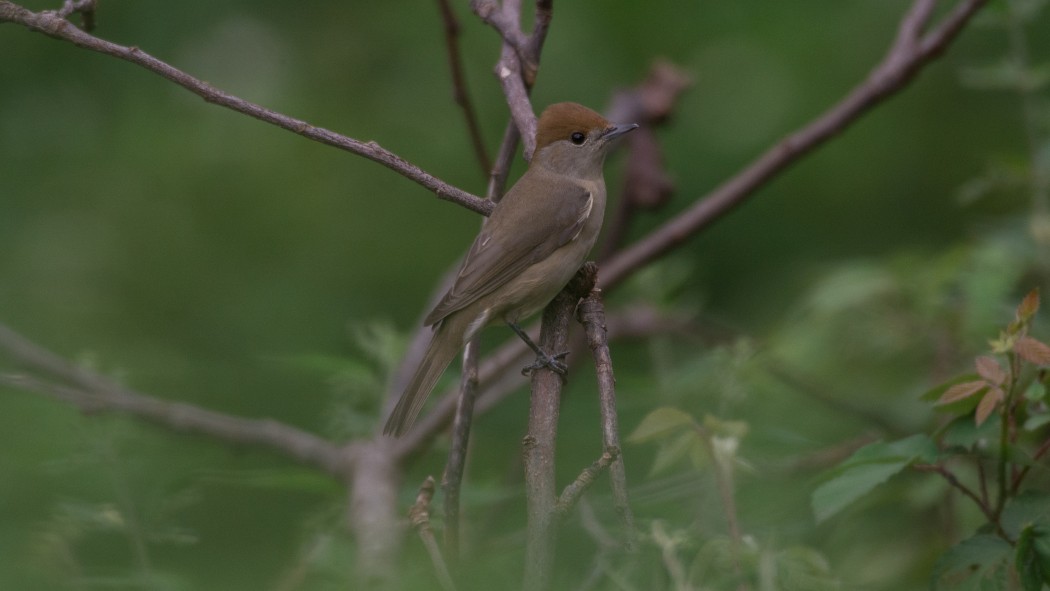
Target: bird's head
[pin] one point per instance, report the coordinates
(572, 139)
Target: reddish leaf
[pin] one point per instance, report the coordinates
(989, 403)
(1029, 306)
(989, 369)
(1032, 350)
(961, 391)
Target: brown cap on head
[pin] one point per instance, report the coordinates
(560, 120)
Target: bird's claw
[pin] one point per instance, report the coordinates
(551, 362)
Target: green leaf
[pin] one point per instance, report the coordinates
(1030, 508)
(1035, 392)
(659, 424)
(869, 467)
(1036, 421)
(801, 568)
(673, 450)
(719, 427)
(979, 562)
(963, 432)
(1026, 561)
(1041, 545)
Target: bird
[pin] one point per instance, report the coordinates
(536, 238)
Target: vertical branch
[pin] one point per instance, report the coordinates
(591, 314)
(459, 84)
(457, 453)
(501, 166)
(539, 444)
(372, 514)
(419, 515)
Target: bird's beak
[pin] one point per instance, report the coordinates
(617, 130)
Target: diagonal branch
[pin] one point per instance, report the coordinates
(519, 59)
(53, 25)
(909, 53)
(93, 393)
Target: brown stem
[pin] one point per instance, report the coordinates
(419, 515)
(905, 58)
(94, 393)
(51, 24)
(459, 84)
(574, 491)
(986, 508)
(539, 444)
(591, 313)
(452, 479)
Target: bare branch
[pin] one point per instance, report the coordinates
(539, 443)
(457, 453)
(91, 392)
(574, 491)
(53, 25)
(541, 24)
(518, 49)
(299, 445)
(419, 515)
(591, 313)
(646, 185)
(504, 19)
(905, 58)
(509, 72)
(86, 8)
(459, 84)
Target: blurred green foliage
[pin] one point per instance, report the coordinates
(206, 257)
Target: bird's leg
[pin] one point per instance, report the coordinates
(552, 362)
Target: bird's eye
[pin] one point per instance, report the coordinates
(577, 138)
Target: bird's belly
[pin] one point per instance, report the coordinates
(537, 285)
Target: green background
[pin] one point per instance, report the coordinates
(203, 256)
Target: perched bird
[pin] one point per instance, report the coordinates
(533, 243)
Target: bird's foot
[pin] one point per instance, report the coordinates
(551, 362)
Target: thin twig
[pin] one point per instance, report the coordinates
(504, 19)
(501, 166)
(51, 24)
(591, 314)
(517, 50)
(459, 84)
(950, 477)
(573, 492)
(904, 59)
(509, 73)
(1020, 476)
(452, 479)
(419, 515)
(541, 24)
(179, 416)
(86, 8)
(92, 392)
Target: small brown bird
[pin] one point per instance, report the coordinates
(533, 243)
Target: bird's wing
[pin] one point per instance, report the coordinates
(500, 252)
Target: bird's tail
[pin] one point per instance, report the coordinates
(443, 348)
